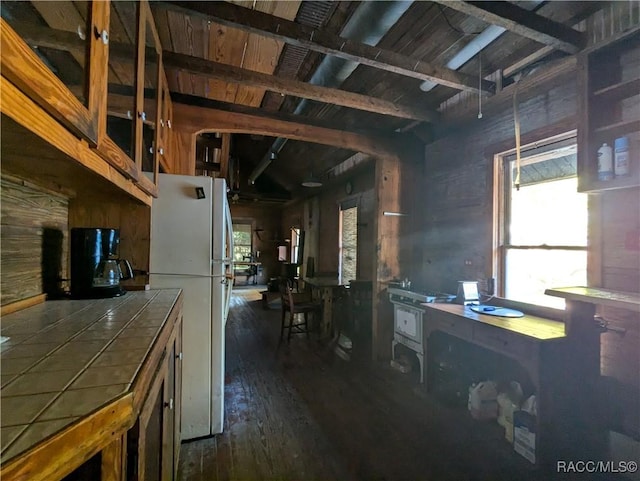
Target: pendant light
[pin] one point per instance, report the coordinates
(311, 180)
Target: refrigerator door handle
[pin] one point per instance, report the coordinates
(185, 275)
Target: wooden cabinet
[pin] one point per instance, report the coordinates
(154, 441)
(117, 429)
(95, 67)
(609, 109)
(66, 44)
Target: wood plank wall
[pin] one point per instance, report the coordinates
(182, 150)
(34, 240)
(322, 229)
(455, 197)
(457, 226)
(132, 220)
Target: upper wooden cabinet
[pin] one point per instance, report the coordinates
(63, 51)
(96, 67)
(609, 109)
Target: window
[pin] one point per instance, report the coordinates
(542, 228)
(242, 246)
(348, 241)
(295, 245)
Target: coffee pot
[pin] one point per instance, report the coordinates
(96, 269)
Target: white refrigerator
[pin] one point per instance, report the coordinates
(191, 248)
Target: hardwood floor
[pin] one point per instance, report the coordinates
(299, 412)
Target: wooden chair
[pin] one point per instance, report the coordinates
(296, 303)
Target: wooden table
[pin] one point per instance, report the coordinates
(247, 269)
(324, 289)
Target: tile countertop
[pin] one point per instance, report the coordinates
(65, 359)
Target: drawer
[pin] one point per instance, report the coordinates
(459, 327)
(502, 341)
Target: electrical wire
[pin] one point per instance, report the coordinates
(479, 85)
(451, 26)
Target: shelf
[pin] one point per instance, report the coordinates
(618, 91)
(36, 147)
(613, 184)
(619, 128)
(595, 295)
(605, 99)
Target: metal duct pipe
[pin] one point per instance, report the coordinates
(368, 24)
(476, 45)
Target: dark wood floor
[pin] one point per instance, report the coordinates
(299, 412)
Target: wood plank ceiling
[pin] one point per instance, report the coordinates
(199, 37)
(236, 53)
(431, 32)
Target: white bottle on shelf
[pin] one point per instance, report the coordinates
(621, 157)
(605, 162)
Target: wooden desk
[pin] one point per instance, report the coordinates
(518, 338)
(324, 289)
(247, 269)
(537, 344)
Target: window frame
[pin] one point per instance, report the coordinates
(502, 210)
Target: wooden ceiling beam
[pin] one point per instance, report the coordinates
(69, 41)
(324, 42)
(522, 22)
(195, 119)
(224, 155)
(343, 98)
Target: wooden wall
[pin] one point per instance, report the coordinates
(319, 217)
(182, 148)
(133, 222)
(455, 197)
(34, 240)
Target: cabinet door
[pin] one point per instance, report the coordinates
(54, 52)
(177, 433)
(122, 114)
(163, 122)
(168, 437)
(145, 439)
(147, 96)
(153, 446)
(117, 125)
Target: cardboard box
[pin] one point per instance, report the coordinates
(524, 435)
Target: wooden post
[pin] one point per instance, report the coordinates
(386, 253)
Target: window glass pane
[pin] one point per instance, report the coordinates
(241, 253)
(242, 242)
(349, 244)
(242, 234)
(551, 213)
(529, 272)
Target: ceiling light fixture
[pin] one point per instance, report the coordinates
(312, 181)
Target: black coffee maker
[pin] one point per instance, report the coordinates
(96, 270)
